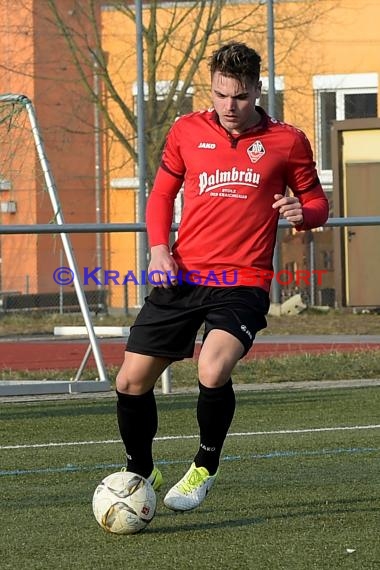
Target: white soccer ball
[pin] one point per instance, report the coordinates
(124, 503)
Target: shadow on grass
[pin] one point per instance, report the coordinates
(295, 511)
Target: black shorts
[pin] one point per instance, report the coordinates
(168, 323)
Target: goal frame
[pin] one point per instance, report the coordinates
(100, 384)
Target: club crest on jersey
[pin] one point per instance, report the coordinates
(256, 151)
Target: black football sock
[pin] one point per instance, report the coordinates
(138, 422)
(215, 411)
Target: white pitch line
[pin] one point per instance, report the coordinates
(174, 437)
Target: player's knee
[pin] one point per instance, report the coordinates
(129, 383)
(123, 382)
(137, 375)
(212, 375)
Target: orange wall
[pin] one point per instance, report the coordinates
(345, 40)
(36, 63)
(342, 36)
(122, 248)
(18, 253)
(337, 36)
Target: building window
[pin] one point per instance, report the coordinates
(160, 115)
(340, 97)
(278, 97)
(162, 91)
(278, 104)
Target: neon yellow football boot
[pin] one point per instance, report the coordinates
(156, 479)
(191, 490)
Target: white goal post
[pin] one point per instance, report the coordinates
(13, 104)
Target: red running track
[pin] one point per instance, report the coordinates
(60, 355)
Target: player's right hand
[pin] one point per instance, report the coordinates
(162, 267)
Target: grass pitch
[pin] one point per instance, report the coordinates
(299, 485)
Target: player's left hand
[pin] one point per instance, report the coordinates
(290, 208)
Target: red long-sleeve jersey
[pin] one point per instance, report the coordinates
(228, 226)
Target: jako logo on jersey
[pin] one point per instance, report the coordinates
(207, 145)
(256, 151)
(219, 178)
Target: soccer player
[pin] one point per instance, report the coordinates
(235, 164)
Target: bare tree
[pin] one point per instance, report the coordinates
(190, 29)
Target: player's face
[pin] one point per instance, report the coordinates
(234, 103)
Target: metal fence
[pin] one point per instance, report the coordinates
(305, 266)
(305, 262)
